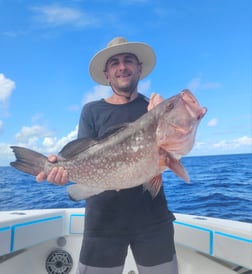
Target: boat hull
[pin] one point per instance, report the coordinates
(49, 241)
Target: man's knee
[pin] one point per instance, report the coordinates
(85, 269)
(170, 267)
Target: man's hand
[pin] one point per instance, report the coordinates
(155, 99)
(58, 175)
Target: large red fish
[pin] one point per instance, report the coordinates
(137, 153)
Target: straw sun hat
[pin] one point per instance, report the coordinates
(144, 53)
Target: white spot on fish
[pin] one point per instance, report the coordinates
(135, 148)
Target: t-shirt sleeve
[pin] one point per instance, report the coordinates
(86, 123)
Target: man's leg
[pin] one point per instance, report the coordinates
(154, 250)
(85, 269)
(102, 255)
(165, 268)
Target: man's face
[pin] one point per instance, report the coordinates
(123, 71)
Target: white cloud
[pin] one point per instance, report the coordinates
(239, 145)
(36, 138)
(49, 141)
(97, 93)
(194, 83)
(210, 85)
(144, 87)
(6, 88)
(39, 138)
(14, 34)
(245, 140)
(56, 15)
(36, 117)
(234, 143)
(55, 145)
(213, 122)
(198, 83)
(26, 134)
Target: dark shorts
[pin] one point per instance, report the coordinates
(153, 246)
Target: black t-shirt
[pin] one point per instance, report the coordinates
(127, 211)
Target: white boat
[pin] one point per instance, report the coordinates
(48, 241)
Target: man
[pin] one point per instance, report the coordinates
(116, 219)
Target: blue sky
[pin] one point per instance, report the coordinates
(46, 47)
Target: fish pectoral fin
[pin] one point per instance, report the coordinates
(175, 165)
(79, 192)
(154, 185)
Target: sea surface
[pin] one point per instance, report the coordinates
(221, 186)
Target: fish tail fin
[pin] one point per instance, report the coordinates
(28, 161)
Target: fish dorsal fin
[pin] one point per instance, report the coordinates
(75, 147)
(113, 130)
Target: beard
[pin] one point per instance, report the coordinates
(126, 87)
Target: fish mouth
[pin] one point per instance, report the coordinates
(198, 115)
(192, 105)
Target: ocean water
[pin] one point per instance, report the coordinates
(221, 186)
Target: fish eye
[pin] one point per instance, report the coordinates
(170, 106)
